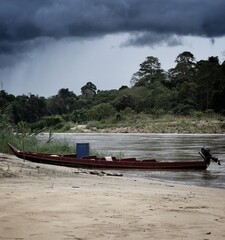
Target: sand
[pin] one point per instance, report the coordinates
(49, 202)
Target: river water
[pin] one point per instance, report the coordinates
(175, 147)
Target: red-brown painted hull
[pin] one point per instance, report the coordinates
(94, 162)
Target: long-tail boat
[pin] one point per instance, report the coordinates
(107, 162)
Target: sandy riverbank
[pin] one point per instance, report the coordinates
(50, 202)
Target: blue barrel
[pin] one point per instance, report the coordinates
(82, 149)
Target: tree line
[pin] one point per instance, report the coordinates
(191, 86)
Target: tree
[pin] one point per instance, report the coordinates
(186, 99)
(185, 57)
(157, 97)
(28, 108)
(149, 72)
(89, 90)
(65, 93)
(181, 83)
(5, 98)
(183, 70)
(210, 78)
(64, 102)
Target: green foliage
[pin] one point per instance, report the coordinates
(183, 109)
(19, 135)
(198, 114)
(62, 103)
(209, 112)
(210, 79)
(6, 128)
(128, 112)
(52, 121)
(105, 96)
(24, 138)
(28, 108)
(56, 147)
(102, 111)
(129, 98)
(81, 115)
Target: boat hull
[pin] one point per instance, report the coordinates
(104, 163)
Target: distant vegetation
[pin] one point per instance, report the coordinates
(189, 89)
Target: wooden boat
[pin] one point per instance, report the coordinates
(107, 162)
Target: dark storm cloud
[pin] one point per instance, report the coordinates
(152, 39)
(151, 21)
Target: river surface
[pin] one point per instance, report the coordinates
(176, 147)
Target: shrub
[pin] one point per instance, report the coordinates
(24, 138)
(198, 114)
(102, 111)
(209, 112)
(183, 109)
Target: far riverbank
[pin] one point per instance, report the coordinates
(148, 124)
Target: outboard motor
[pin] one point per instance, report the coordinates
(205, 153)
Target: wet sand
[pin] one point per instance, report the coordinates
(49, 202)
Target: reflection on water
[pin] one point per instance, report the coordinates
(161, 147)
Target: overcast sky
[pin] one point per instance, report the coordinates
(46, 45)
